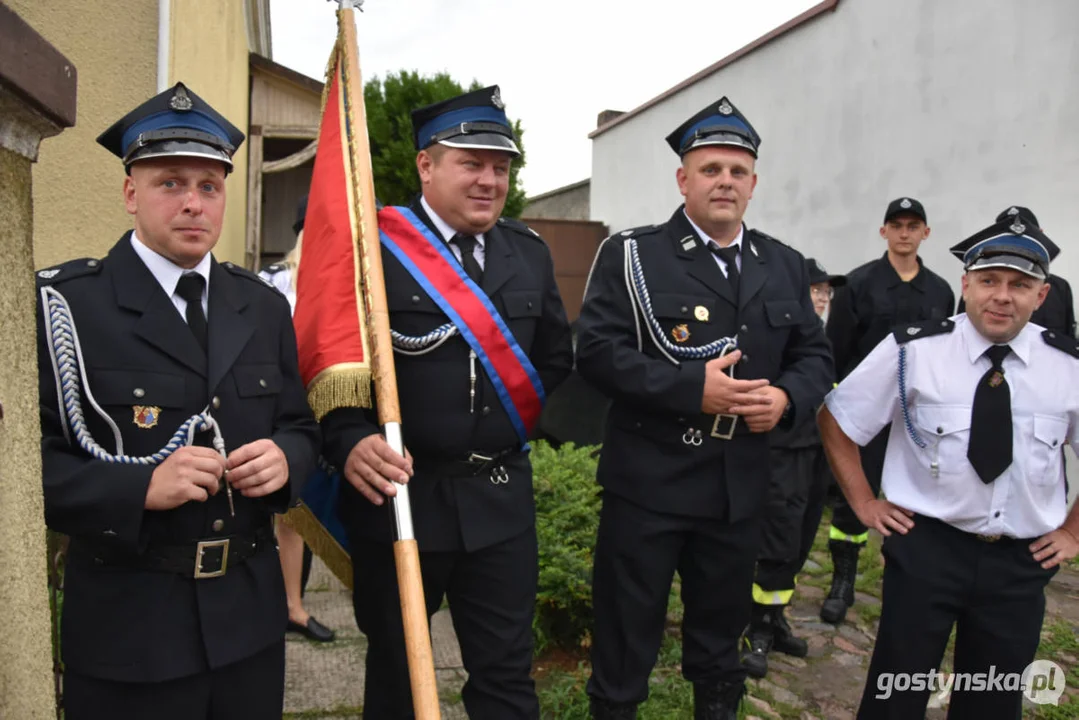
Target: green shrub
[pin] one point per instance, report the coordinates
(567, 516)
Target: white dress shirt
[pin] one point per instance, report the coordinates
(167, 273)
(737, 242)
(282, 280)
(448, 232)
(942, 372)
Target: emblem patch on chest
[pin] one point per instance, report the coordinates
(701, 313)
(146, 416)
(680, 333)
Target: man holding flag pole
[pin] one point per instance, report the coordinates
(481, 338)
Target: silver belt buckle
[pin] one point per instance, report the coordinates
(476, 457)
(202, 548)
(723, 427)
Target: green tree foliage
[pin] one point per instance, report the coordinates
(389, 103)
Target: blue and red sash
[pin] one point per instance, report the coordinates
(433, 265)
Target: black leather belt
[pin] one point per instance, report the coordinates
(197, 559)
(476, 463)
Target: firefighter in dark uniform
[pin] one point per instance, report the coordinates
(894, 289)
(703, 334)
(800, 480)
(470, 479)
(1058, 311)
(181, 425)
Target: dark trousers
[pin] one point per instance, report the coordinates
(492, 597)
(637, 554)
(800, 478)
(843, 518)
(253, 688)
(935, 577)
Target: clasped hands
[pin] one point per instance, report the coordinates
(759, 403)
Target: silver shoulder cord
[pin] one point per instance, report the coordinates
(65, 352)
(642, 304)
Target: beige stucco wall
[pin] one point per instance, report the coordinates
(77, 184)
(26, 681)
(208, 51)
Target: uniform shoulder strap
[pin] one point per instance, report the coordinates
(927, 328)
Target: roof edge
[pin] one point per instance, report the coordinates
(818, 9)
(557, 190)
(271, 67)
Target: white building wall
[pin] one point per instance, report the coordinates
(968, 105)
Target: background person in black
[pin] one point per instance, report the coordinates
(677, 497)
(1058, 310)
(477, 539)
(144, 636)
(894, 289)
(800, 480)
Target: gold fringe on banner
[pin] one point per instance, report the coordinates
(341, 385)
(321, 541)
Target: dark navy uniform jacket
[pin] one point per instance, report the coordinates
(656, 403)
(121, 623)
(454, 513)
(875, 300)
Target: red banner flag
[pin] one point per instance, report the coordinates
(330, 317)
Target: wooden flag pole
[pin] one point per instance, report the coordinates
(421, 666)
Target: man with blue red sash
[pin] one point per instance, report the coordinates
(481, 338)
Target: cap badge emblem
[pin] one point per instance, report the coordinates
(913, 330)
(1013, 211)
(725, 108)
(49, 274)
(701, 313)
(1018, 228)
(180, 100)
(680, 333)
(905, 204)
(496, 99)
(146, 416)
(819, 266)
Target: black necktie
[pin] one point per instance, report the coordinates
(990, 448)
(729, 255)
(467, 245)
(189, 287)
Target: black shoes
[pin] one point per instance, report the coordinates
(845, 568)
(603, 710)
(717, 701)
(769, 630)
(313, 630)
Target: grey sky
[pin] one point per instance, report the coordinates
(559, 63)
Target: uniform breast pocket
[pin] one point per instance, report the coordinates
(146, 399)
(946, 430)
(523, 310)
(257, 380)
(686, 319)
(415, 313)
(128, 387)
(783, 314)
(1050, 432)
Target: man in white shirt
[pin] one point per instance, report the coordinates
(974, 520)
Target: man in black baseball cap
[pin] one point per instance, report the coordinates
(894, 289)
